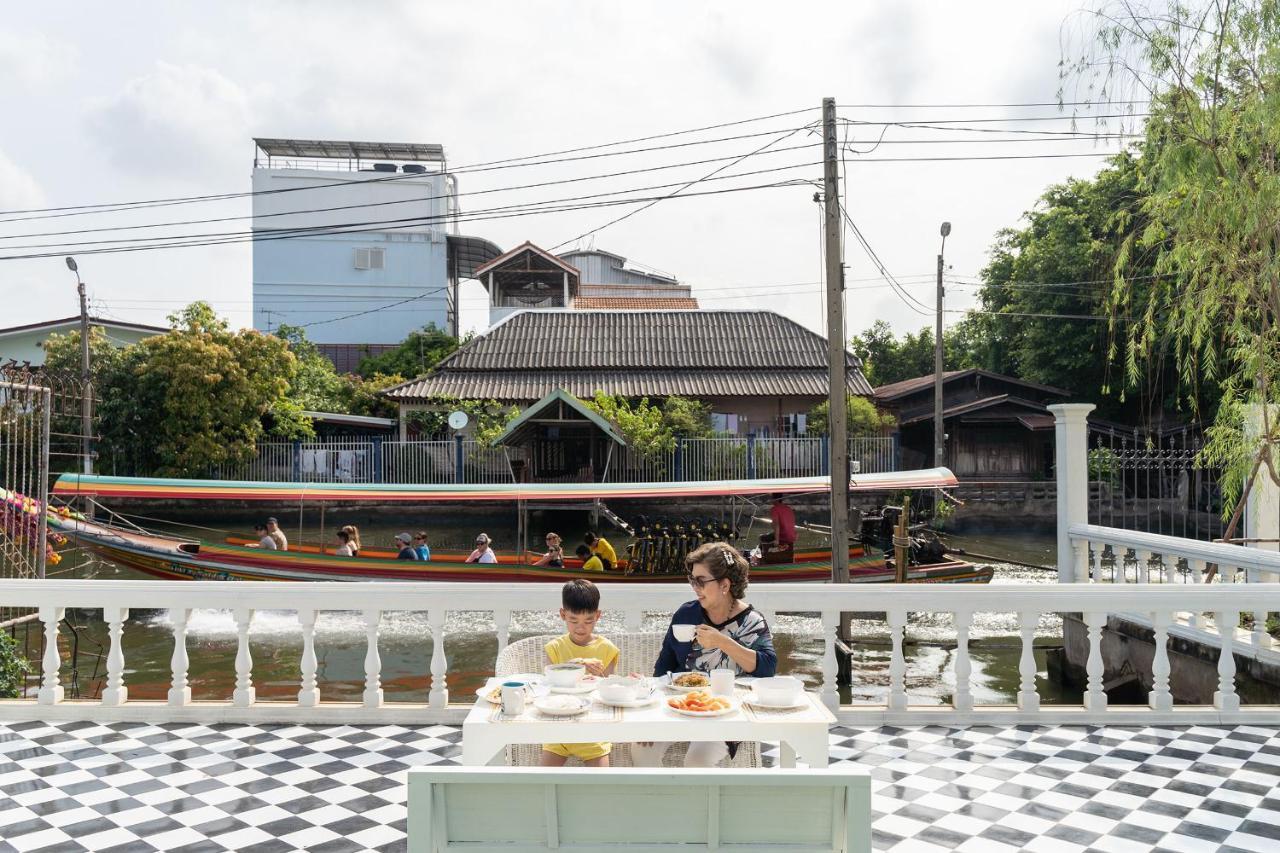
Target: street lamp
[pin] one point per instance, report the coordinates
(86, 383)
(939, 436)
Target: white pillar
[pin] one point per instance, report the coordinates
(1262, 510)
(1071, 458)
(404, 421)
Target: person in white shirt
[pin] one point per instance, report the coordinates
(483, 553)
(264, 538)
(344, 545)
(282, 544)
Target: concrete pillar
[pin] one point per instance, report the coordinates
(404, 421)
(1071, 459)
(1262, 510)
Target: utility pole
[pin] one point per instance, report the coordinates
(939, 433)
(838, 419)
(86, 382)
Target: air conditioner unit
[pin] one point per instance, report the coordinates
(370, 259)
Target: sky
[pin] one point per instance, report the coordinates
(130, 101)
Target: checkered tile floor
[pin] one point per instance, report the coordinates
(130, 786)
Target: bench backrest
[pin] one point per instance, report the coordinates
(520, 809)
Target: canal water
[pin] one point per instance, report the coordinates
(405, 642)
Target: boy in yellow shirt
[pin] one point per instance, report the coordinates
(580, 610)
(590, 562)
(601, 548)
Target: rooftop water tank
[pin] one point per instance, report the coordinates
(414, 168)
(384, 167)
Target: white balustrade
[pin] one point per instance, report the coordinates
(502, 626)
(962, 699)
(373, 661)
(180, 689)
(244, 695)
(1160, 605)
(115, 693)
(309, 694)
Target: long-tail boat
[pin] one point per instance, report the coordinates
(173, 557)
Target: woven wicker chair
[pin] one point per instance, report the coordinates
(636, 653)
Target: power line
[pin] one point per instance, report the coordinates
(907, 299)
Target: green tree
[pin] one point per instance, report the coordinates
(1210, 186)
(640, 422)
(887, 359)
(415, 355)
(864, 418)
(686, 417)
(316, 386)
(13, 668)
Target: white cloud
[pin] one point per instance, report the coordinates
(33, 59)
(18, 190)
(178, 122)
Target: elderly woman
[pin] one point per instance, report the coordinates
(731, 634)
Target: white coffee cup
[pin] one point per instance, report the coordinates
(722, 682)
(684, 633)
(513, 698)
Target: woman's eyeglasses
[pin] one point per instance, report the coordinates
(698, 583)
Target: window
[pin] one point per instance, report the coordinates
(370, 259)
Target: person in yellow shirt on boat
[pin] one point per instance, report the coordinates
(580, 610)
(602, 549)
(590, 562)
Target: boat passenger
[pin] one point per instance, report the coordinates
(354, 532)
(344, 545)
(602, 549)
(404, 543)
(555, 552)
(483, 553)
(784, 523)
(264, 538)
(590, 562)
(730, 634)
(274, 531)
(424, 550)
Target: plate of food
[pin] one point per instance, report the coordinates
(687, 682)
(700, 703)
(562, 706)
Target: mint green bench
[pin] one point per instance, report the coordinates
(644, 810)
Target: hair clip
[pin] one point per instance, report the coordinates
(728, 558)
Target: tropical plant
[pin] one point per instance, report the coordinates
(864, 418)
(13, 668)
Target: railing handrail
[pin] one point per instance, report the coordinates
(1212, 552)
(782, 597)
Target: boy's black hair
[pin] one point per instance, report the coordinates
(259, 527)
(580, 596)
(590, 538)
(583, 551)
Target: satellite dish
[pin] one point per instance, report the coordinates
(458, 420)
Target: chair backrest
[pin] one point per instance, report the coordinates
(636, 653)
(533, 808)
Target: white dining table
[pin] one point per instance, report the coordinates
(800, 732)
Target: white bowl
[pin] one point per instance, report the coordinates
(621, 688)
(564, 674)
(779, 690)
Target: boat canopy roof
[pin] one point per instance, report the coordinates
(71, 485)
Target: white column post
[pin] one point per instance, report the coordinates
(439, 693)
(962, 699)
(51, 689)
(1095, 699)
(1226, 698)
(115, 693)
(309, 693)
(1071, 431)
(1028, 698)
(1160, 698)
(244, 694)
(372, 660)
(830, 667)
(180, 691)
(897, 661)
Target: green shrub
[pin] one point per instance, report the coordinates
(13, 668)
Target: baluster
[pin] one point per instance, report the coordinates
(502, 622)
(180, 691)
(1028, 699)
(897, 661)
(309, 695)
(1170, 563)
(372, 660)
(1095, 561)
(1226, 699)
(1196, 569)
(1119, 564)
(1081, 550)
(439, 695)
(1260, 637)
(830, 625)
(963, 698)
(1160, 699)
(51, 689)
(115, 693)
(244, 694)
(1143, 559)
(1094, 698)
(632, 619)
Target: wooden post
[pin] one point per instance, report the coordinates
(902, 543)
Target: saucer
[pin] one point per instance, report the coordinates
(750, 698)
(633, 703)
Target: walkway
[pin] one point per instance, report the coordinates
(180, 787)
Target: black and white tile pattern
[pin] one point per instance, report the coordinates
(182, 787)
